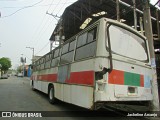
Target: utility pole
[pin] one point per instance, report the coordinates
(149, 34)
(157, 17)
(60, 30)
(0, 70)
(135, 14)
(118, 12)
(141, 25)
(32, 48)
(23, 64)
(51, 45)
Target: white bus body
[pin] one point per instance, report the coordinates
(107, 61)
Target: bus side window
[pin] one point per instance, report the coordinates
(89, 48)
(45, 60)
(56, 54)
(39, 67)
(65, 48)
(82, 40)
(68, 57)
(92, 35)
(55, 59)
(52, 56)
(48, 61)
(47, 65)
(42, 63)
(42, 66)
(36, 65)
(72, 45)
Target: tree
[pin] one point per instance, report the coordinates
(19, 69)
(5, 64)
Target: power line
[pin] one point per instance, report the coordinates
(9, 0)
(50, 5)
(41, 23)
(27, 57)
(47, 22)
(41, 35)
(62, 7)
(157, 2)
(42, 48)
(56, 6)
(43, 20)
(9, 7)
(22, 9)
(51, 21)
(43, 28)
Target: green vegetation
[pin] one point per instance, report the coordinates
(5, 64)
(19, 69)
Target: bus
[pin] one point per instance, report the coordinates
(106, 62)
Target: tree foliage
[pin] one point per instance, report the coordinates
(19, 69)
(5, 63)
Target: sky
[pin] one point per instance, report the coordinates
(24, 23)
(29, 27)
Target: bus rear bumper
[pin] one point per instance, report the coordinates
(122, 93)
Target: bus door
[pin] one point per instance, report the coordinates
(63, 76)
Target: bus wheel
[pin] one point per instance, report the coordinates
(51, 95)
(33, 86)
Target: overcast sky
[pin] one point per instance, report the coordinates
(24, 23)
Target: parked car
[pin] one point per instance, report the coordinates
(9, 75)
(19, 75)
(4, 76)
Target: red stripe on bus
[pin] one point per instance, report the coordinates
(141, 80)
(49, 77)
(116, 77)
(84, 77)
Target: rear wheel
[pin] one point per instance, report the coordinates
(33, 86)
(51, 96)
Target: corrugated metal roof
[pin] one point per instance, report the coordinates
(75, 14)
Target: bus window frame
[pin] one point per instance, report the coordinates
(68, 42)
(42, 63)
(48, 58)
(55, 57)
(65, 52)
(87, 43)
(74, 38)
(107, 39)
(39, 64)
(58, 52)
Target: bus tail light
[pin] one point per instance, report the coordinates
(101, 85)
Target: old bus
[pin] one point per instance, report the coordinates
(106, 62)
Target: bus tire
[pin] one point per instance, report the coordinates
(51, 96)
(33, 86)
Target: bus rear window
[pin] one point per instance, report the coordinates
(126, 43)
